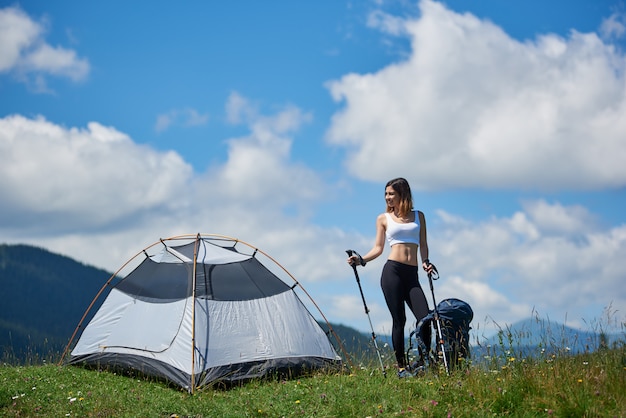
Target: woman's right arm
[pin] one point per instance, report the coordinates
(379, 242)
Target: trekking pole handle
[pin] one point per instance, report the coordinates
(361, 261)
(434, 274)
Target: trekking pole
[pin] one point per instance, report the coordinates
(434, 275)
(367, 311)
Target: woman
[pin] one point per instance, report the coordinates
(405, 230)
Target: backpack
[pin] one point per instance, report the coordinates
(455, 317)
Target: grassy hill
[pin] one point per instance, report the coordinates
(44, 295)
(586, 385)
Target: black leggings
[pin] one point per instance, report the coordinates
(400, 284)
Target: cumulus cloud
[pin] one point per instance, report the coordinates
(25, 53)
(258, 170)
(473, 107)
(556, 219)
(76, 185)
(64, 179)
(97, 196)
(94, 194)
(546, 257)
(18, 32)
(489, 304)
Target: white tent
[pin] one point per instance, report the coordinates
(197, 309)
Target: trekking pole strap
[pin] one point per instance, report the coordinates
(434, 274)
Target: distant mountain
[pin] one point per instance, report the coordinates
(43, 297)
(534, 336)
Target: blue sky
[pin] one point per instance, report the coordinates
(280, 122)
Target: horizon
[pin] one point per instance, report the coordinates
(521, 329)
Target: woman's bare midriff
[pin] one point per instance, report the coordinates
(404, 253)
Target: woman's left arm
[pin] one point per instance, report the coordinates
(424, 242)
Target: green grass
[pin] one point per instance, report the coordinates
(588, 385)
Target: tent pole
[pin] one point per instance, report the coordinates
(193, 315)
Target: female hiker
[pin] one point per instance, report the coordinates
(405, 230)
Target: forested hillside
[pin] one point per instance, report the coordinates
(43, 297)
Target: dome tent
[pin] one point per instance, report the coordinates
(197, 309)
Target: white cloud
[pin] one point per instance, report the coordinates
(240, 109)
(95, 184)
(559, 219)
(164, 121)
(25, 53)
(348, 307)
(64, 179)
(258, 169)
(473, 107)
(490, 305)
(97, 196)
(614, 27)
(56, 61)
(505, 266)
(17, 32)
(186, 117)
(386, 23)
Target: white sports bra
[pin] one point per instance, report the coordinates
(402, 233)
